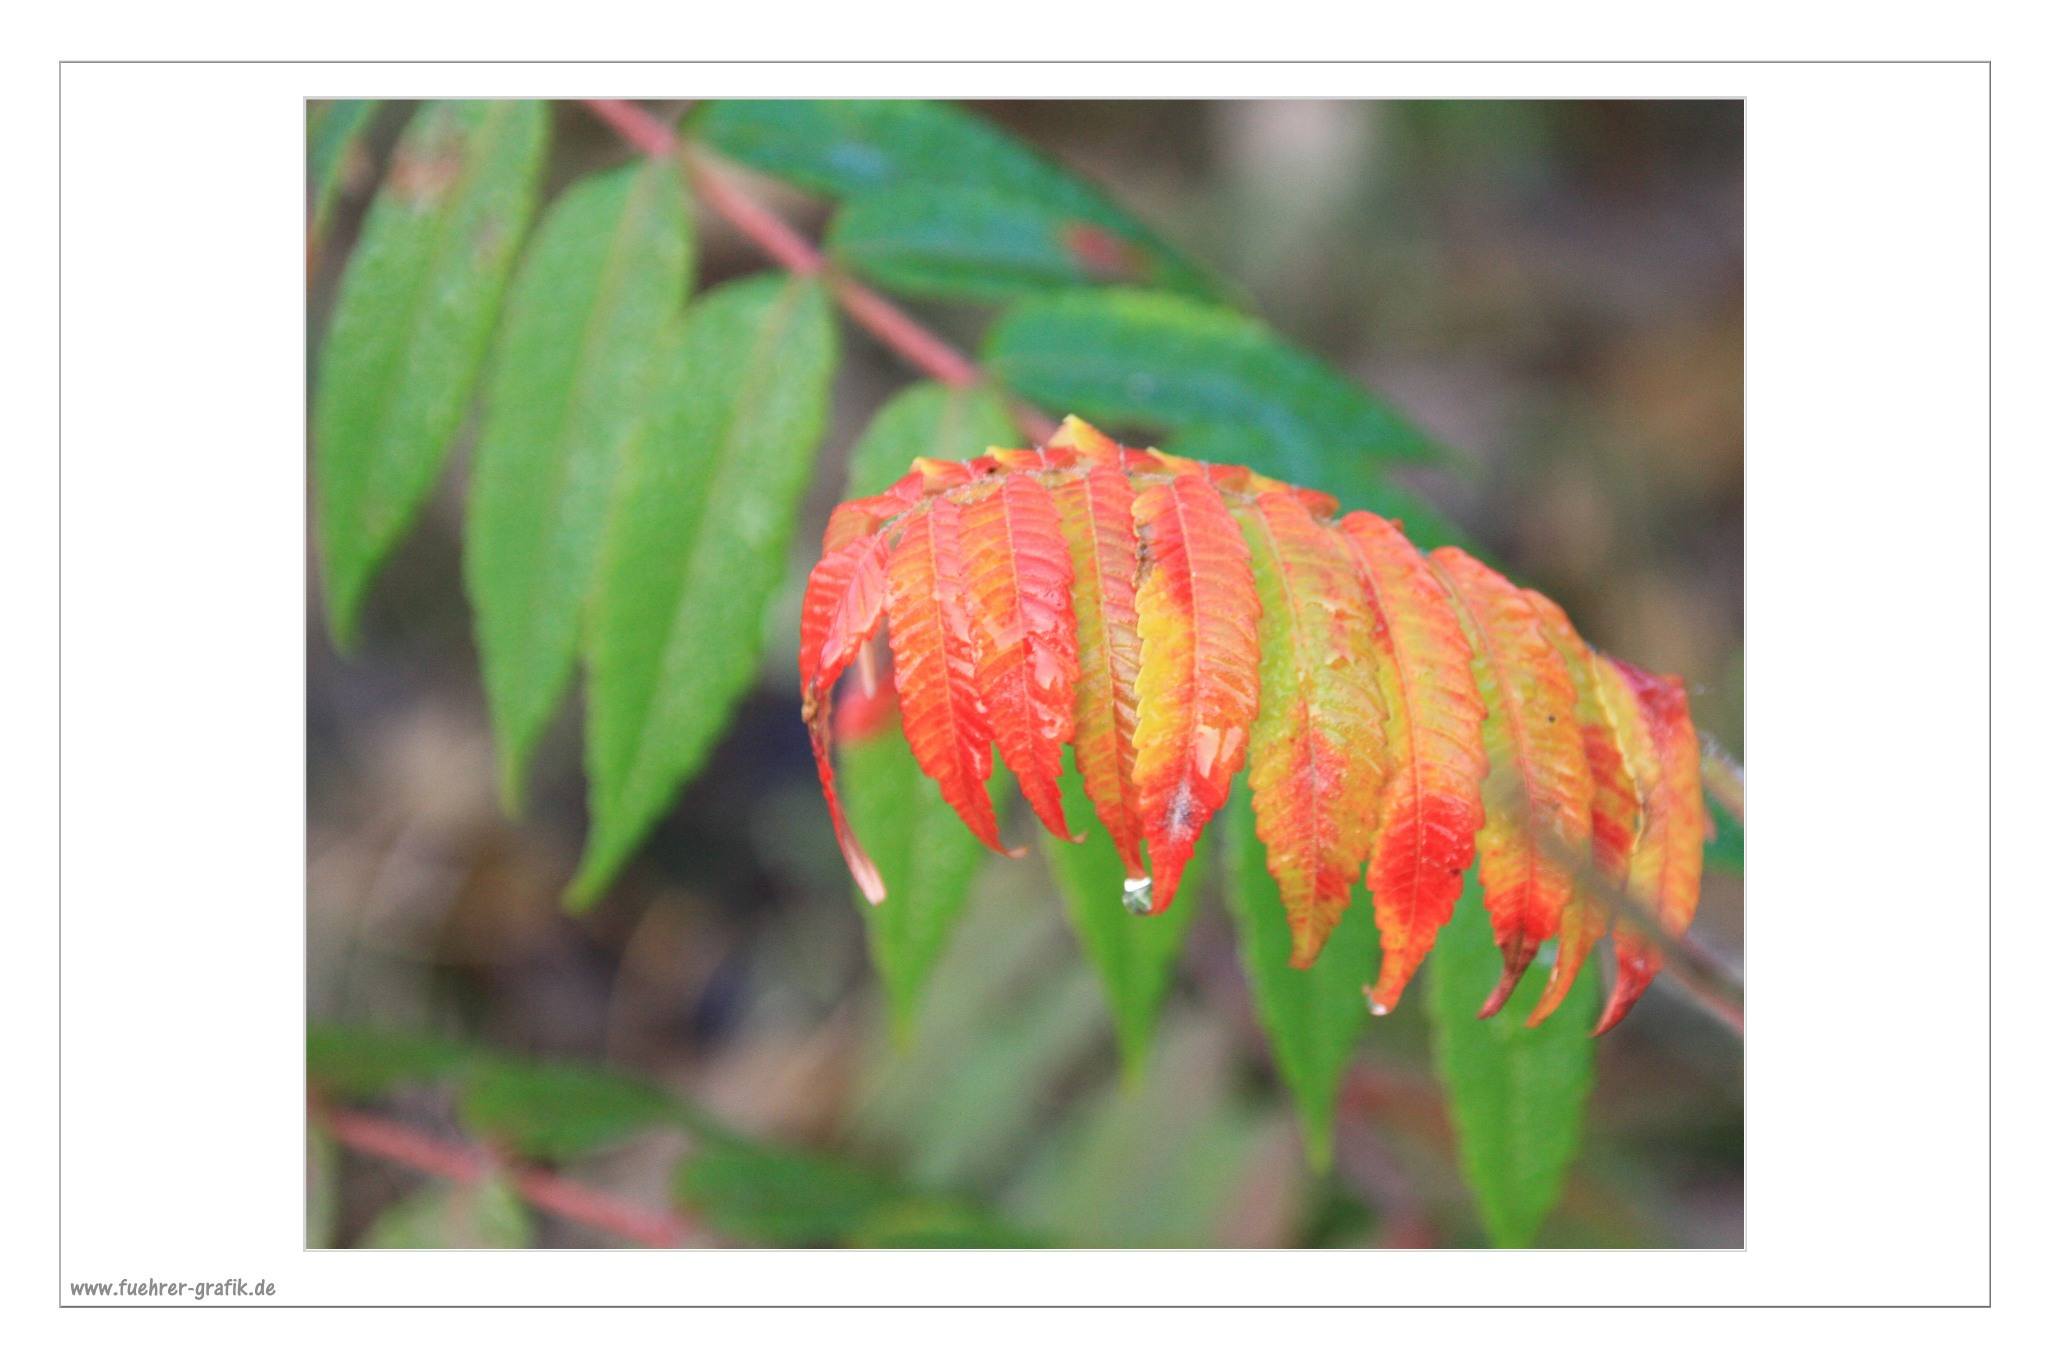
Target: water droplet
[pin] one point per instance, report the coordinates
(1138, 895)
(1373, 1006)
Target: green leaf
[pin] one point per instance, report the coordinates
(487, 1214)
(410, 325)
(1166, 1162)
(1724, 849)
(757, 1193)
(333, 129)
(1133, 955)
(760, 1194)
(1517, 1094)
(697, 541)
(1352, 482)
(855, 148)
(553, 1111)
(347, 1063)
(564, 402)
(927, 858)
(1176, 365)
(323, 1189)
(978, 244)
(940, 1224)
(1313, 1017)
(926, 419)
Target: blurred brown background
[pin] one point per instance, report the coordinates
(1553, 288)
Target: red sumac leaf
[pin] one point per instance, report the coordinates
(931, 636)
(843, 604)
(1198, 668)
(1021, 582)
(1319, 746)
(1658, 743)
(1102, 541)
(1436, 761)
(1538, 794)
(1617, 805)
(1176, 620)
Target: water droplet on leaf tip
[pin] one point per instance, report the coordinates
(1138, 895)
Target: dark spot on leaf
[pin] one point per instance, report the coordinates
(421, 174)
(1102, 253)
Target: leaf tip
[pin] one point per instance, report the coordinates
(1517, 954)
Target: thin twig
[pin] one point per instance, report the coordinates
(467, 1165)
(720, 191)
(1722, 775)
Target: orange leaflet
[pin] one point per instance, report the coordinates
(1617, 805)
(1538, 795)
(1198, 668)
(843, 604)
(1020, 581)
(1318, 747)
(1085, 441)
(931, 637)
(1436, 761)
(1657, 739)
(1095, 515)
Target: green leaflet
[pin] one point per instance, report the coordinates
(978, 244)
(1312, 1018)
(925, 419)
(1133, 955)
(558, 1111)
(852, 149)
(1174, 364)
(777, 1197)
(333, 128)
(409, 329)
(1164, 1162)
(323, 1189)
(1007, 1020)
(927, 858)
(696, 544)
(564, 401)
(1353, 482)
(1517, 1095)
(353, 1064)
(488, 1213)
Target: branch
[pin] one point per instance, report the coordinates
(468, 1165)
(883, 320)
